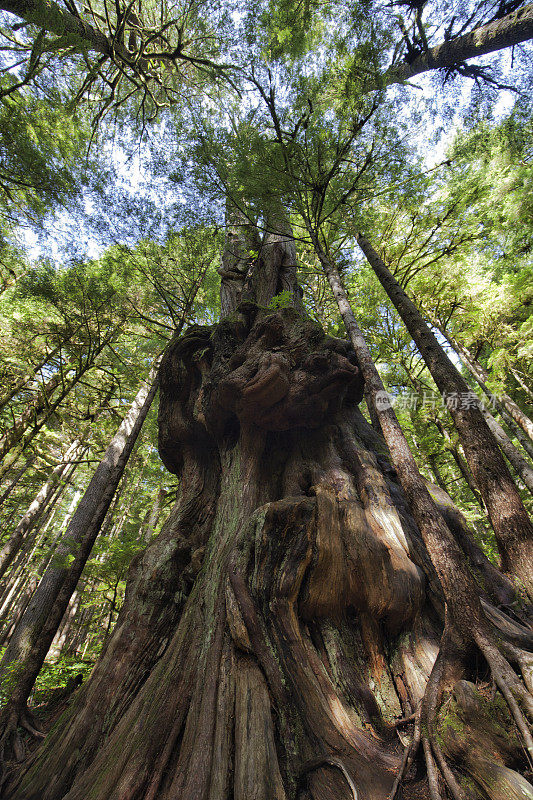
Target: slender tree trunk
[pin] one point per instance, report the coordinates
(512, 527)
(516, 430)
(36, 508)
(79, 639)
(15, 606)
(287, 616)
(29, 644)
(154, 515)
(482, 376)
(24, 559)
(441, 545)
(459, 460)
(374, 419)
(60, 639)
(21, 587)
(16, 478)
(436, 472)
(466, 474)
(513, 456)
(525, 388)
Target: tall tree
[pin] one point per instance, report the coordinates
(37, 627)
(482, 376)
(512, 454)
(36, 508)
(287, 499)
(286, 620)
(47, 401)
(509, 518)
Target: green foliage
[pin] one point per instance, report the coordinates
(294, 127)
(281, 300)
(42, 154)
(57, 675)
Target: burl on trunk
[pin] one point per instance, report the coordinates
(277, 637)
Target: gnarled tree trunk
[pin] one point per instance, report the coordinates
(287, 617)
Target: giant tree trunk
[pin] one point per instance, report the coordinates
(512, 527)
(287, 615)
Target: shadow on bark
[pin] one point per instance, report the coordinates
(277, 636)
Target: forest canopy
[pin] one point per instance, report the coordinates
(266, 400)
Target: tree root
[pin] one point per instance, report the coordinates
(523, 659)
(516, 631)
(445, 666)
(12, 745)
(431, 768)
(510, 686)
(498, 652)
(410, 749)
(330, 762)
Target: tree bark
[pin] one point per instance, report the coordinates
(36, 508)
(467, 475)
(286, 618)
(36, 629)
(481, 376)
(51, 17)
(512, 29)
(512, 527)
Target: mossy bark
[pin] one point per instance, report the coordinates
(279, 633)
(281, 669)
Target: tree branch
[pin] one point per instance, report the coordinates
(51, 17)
(513, 29)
